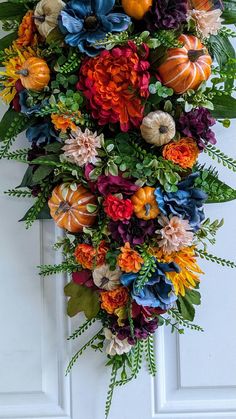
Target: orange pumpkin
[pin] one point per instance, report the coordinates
(187, 67)
(34, 74)
(136, 9)
(145, 205)
(206, 5)
(69, 208)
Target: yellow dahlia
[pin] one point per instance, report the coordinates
(188, 277)
(13, 64)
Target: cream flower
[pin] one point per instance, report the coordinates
(106, 279)
(175, 234)
(46, 15)
(116, 346)
(208, 23)
(81, 147)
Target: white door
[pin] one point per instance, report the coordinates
(196, 372)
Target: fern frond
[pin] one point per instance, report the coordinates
(20, 155)
(64, 267)
(41, 200)
(221, 157)
(82, 329)
(150, 355)
(212, 258)
(18, 193)
(176, 315)
(137, 356)
(111, 388)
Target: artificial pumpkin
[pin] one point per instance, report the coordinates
(136, 9)
(158, 128)
(145, 205)
(69, 210)
(34, 74)
(105, 278)
(206, 5)
(46, 15)
(187, 67)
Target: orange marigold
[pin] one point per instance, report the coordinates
(27, 31)
(89, 257)
(183, 152)
(62, 122)
(111, 300)
(129, 260)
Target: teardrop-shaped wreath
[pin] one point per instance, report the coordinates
(118, 100)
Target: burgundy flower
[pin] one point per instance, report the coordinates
(115, 184)
(196, 124)
(166, 14)
(134, 231)
(83, 278)
(143, 327)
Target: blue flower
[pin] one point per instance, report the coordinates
(86, 21)
(41, 133)
(25, 108)
(186, 203)
(158, 291)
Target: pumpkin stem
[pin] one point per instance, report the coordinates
(23, 72)
(163, 129)
(63, 207)
(194, 54)
(148, 209)
(39, 18)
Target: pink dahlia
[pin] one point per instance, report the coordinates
(174, 234)
(115, 83)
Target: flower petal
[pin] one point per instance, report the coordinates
(70, 23)
(82, 8)
(119, 21)
(102, 7)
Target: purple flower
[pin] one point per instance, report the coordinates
(196, 124)
(166, 14)
(134, 231)
(115, 184)
(143, 327)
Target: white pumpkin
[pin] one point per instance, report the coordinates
(158, 128)
(106, 279)
(46, 15)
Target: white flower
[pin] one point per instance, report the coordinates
(106, 279)
(208, 23)
(116, 346)
(81, 147)
(175, 234)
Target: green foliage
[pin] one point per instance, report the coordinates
(71, 65)
(229, 12)
(136, 356)
(110, 390)
(7, 40)
(167, 38)
(208, 231)
(221, 157)
(168, 322)
(182, 321)
(33, 213)
(64, 267)
(212, 258)
(224, 106)
(150, 355)
(146, 271)
(221, 48)
(17, 193)
(82, 299)
(186, 304)
(82, 329)
(12, 124)
(41, 173)
(82, 350)
(11, 11)
(19, 155)
(216, 190)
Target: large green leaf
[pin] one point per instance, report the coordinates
(7, 40)
(221, 48)
(216, 190)
(41, 173)
(186, 304)
(224, 107)
(11, 11)
(13, 123)
(82, 299)
(44, 214)
(27, 180)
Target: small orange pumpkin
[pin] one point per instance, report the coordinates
(68, 208)
(187, 67)
(136, 9)
(34, 74)
(145, 205)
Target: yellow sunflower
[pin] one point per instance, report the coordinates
(13, 64)
(186, 259)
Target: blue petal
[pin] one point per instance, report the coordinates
(95, 36)
(127, 279)
(146, 298)
(102, 7)
(160, 200)
(119, 21)
(82, 8)
(70, 23)
(75, 39)
(106, 25)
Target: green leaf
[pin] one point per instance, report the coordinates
(49, 157)
(55, 36)
(216, 190)
(82, 299)
(193, 296)
(186, 308)
(224, 107)
(7, 40)
(54, 147)
(27, 180)
(41, 173)
(221, 48)
(11, 11)
(44, 214)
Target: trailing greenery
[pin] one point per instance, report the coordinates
(136, 363)
(217, 191)
(208, 230)
(12, 124)
(187, 302)
(41, 201)
(82, 329)
(20, 155)
(64, 267)
(18, 193)
(183, 322)
(150, 355)
(212, 258)
(111, 390)
(221, 157)
(146, 271)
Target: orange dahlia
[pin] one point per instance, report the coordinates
(129, 260)
(89, 257)
(62, 122)
(114, 84)
(27, 31)
(183, 152)
(112, 300)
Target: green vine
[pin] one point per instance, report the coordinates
(146, 271)
(64, 267)
(71, 65)
(136, 363)
(212, 258)
(82, 329)
(176, 315)
(150, 355)
(221, 157)
(18, 193)
(34, 211)
(81, 351)
(18, 155)
(111, 390)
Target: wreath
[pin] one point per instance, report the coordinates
(117, 100)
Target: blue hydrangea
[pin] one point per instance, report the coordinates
(186, 203)
(86, 21)
(158, 291)
(41, 133)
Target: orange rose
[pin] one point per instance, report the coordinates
(111, 300)
(62, 122)
(183, 152)
(89, 257)
(27, 30)
(129, 260)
